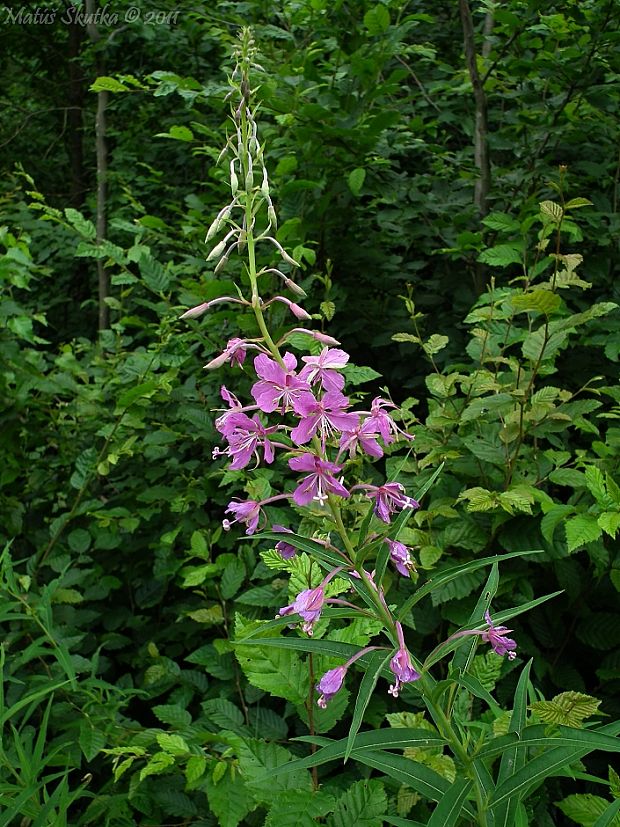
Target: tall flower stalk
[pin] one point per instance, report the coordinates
(299, 411)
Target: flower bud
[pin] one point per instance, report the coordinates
(217, 250)
(234, 181)
(271, 215)
(289, 259)
(264, 188)
(295, 288)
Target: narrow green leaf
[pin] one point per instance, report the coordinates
(453, 572)
(383, 739)
(448, 810)
(420, 778)
(378, 662)
(554, 759)
(318, 550)
(514, 759)
(608, 817)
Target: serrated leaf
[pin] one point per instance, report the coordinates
(107, 84)
(377, 20)
(539, 345)
(479, 499)
(362, 805)
(259, 762)
(596, 486)
(551, 211)
(600, 630)
(435, 343)
(585, 809)
(609, 522)
(91, 740)
(567, 708)
(195, 769)
(328, 309)
(406, 337)
(357, 375)
(582, 530)
(539, 301)
(172, 743)
(232, 578)
(229, 799)
(494, 406)
(299, 808)
(173, 715)
(278, 671)
(501, 221)
(502, 255)
(157, 764)
(84, 227)
(356, 179)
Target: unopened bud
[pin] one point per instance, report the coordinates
(271, 215)
(264, 187)
(234, 181)
(217, 250)
(295, 288)
(289, 259)
(249, 181)
(220, 265)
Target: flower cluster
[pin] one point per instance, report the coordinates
(300, 411)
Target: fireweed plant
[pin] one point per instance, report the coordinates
(298, 413)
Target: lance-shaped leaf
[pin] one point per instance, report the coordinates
(453, 572)
(448, 810)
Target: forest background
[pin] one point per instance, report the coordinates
(413, 150)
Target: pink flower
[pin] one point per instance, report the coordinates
(381, 422)
(225, 423)
(247, 512)
(309, 603)
(389, 498)
(234, 353)
(401, 665)
(325, 415)
(279, 386)
(361, 436)
(401, 557)
(284, 549)
(496, 636)
(322, 369)
(245, 436)
(330, 683)
(320, 481)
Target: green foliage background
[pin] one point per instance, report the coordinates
(120, 594)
